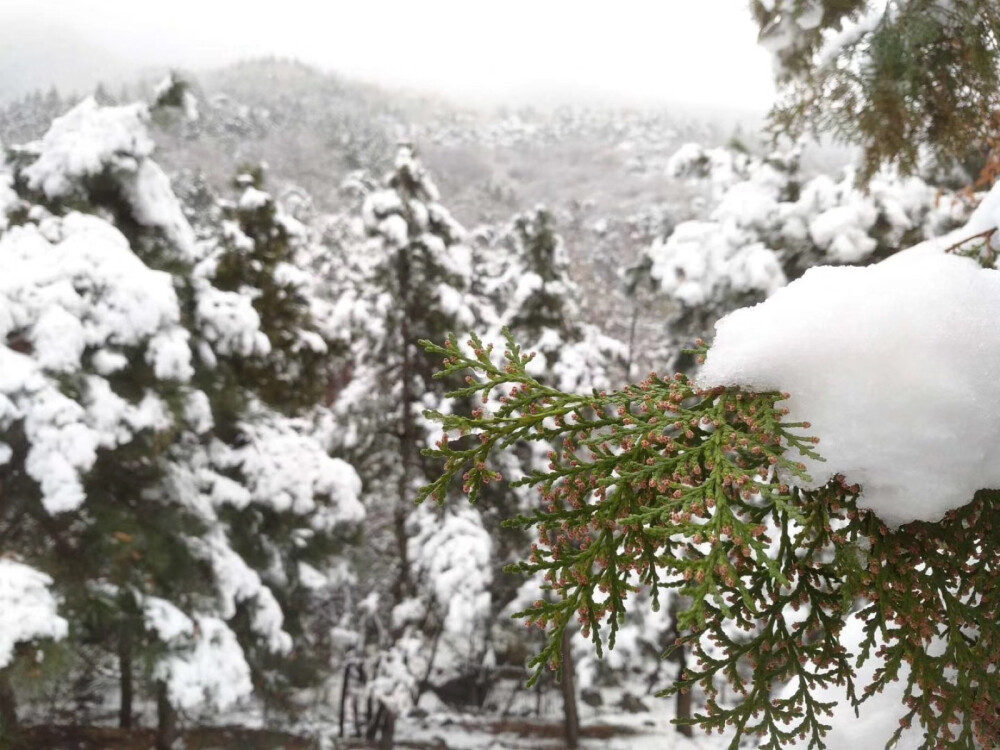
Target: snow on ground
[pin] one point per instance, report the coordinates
(897, 368)
(604, 728)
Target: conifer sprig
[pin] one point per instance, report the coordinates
(695, 494)
(933, 607)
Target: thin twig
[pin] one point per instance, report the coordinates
(984, 235)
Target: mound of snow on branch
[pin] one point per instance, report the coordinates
(90, 141)
(70, 288)
(211, 670)
(896, 366)
(27, 608)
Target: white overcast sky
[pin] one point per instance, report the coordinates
(655, 51)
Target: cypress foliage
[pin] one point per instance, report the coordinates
(690, 489)
(899, 79)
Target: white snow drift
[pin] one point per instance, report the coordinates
(897, 367)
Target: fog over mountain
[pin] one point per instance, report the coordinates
(476, 52)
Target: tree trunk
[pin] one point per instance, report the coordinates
(683, 706)
(8, 708)
(568, 677)
(631, 342)
(387, 736)
(126, 684)
(683, 696)
(407, 433)
(166, 727)
(343, 696)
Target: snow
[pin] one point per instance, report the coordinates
(237, 582)
(851, 32)
(286, 469)
(842, 231)
(253, 199)
(311, 578)
(165, 619)
(895, 365)
(212, 671)
(764, 219)
(108, 362)
(169, 354)
(62, 446)
(155, 205)
(393, 683)
(229, 321)
(91, 140)
(78, 289)
(27, 608)
(90, 274)
(198, 412)
(269, 620)
(114, 420)
(84, 142)
(454, 554)
(702, 258)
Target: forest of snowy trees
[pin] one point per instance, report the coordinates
(264, 333)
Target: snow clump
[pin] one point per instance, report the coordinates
(897, 368)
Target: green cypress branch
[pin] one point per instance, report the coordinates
(672, 488)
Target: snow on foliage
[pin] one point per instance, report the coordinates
(894, 365)
(786, 34)
(76, 289)
(229, 322)
(528, 279)
(453, 553)
(767, 227)
(84, 142)
(286, 469)
(165, 619)
(91, 141)
(236, 583)
(27, 608)
(209, 669)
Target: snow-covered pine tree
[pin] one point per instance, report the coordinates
(269, 396)
(411, 278)
(527, 278)
(116, 356)
(541, 304)
(109, 440)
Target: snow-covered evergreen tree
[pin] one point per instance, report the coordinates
(116, 338)
(410, 279)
